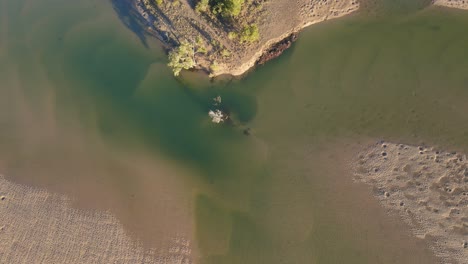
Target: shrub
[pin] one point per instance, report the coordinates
(176, 3)
(214, 67)
(200, 45)
(215, 43)
(232, 35)
(159, 2)
(182, 57)
(249, 33)
(228, 7)
(202, 6)
(225, 53)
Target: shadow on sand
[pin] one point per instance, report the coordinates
(139, 19)
(132, 18)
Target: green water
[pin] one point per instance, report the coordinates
(83, 102)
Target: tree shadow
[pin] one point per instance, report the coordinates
(131, 18)
(202, 32)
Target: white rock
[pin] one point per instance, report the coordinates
(216, 116)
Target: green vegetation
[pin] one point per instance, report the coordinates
(182, 57)
(225, 8)
(202, 6)
(225, 53)
(249, 33)
(208, 50)
(214, 67)
(200, 45)
(215, 44)
(232, 35)
(175, 3)
(228, 8)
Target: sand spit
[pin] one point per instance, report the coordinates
(176, 21)
(276, 20)
(427, 187)
(461, 4)
(40, 227)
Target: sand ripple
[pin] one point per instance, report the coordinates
(427, 187)
(40, 227)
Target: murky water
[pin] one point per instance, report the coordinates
(88, 108)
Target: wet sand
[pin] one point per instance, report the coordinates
(349, 209)
(70, 104)
(51, 139)
(426, 187)
(41, 227)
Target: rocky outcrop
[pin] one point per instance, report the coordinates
(277, 49)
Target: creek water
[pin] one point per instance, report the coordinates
(88, 108)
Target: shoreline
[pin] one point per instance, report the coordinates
(172, 24)
(272, 43)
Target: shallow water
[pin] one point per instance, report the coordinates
(89, 109)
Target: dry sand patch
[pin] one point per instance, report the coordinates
(461, 4)
(427, 187)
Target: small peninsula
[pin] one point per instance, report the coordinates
(231, 36)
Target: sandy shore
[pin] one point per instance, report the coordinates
(276, 20)
(461, 4)
(427, 187)
(40, 227)
(283, 18)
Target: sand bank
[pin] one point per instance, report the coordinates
(461, 4)
(40, 227)
(276, 21)
(427, 187)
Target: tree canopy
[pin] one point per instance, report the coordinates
(182, 57)
(249, 33)
(227, 8)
